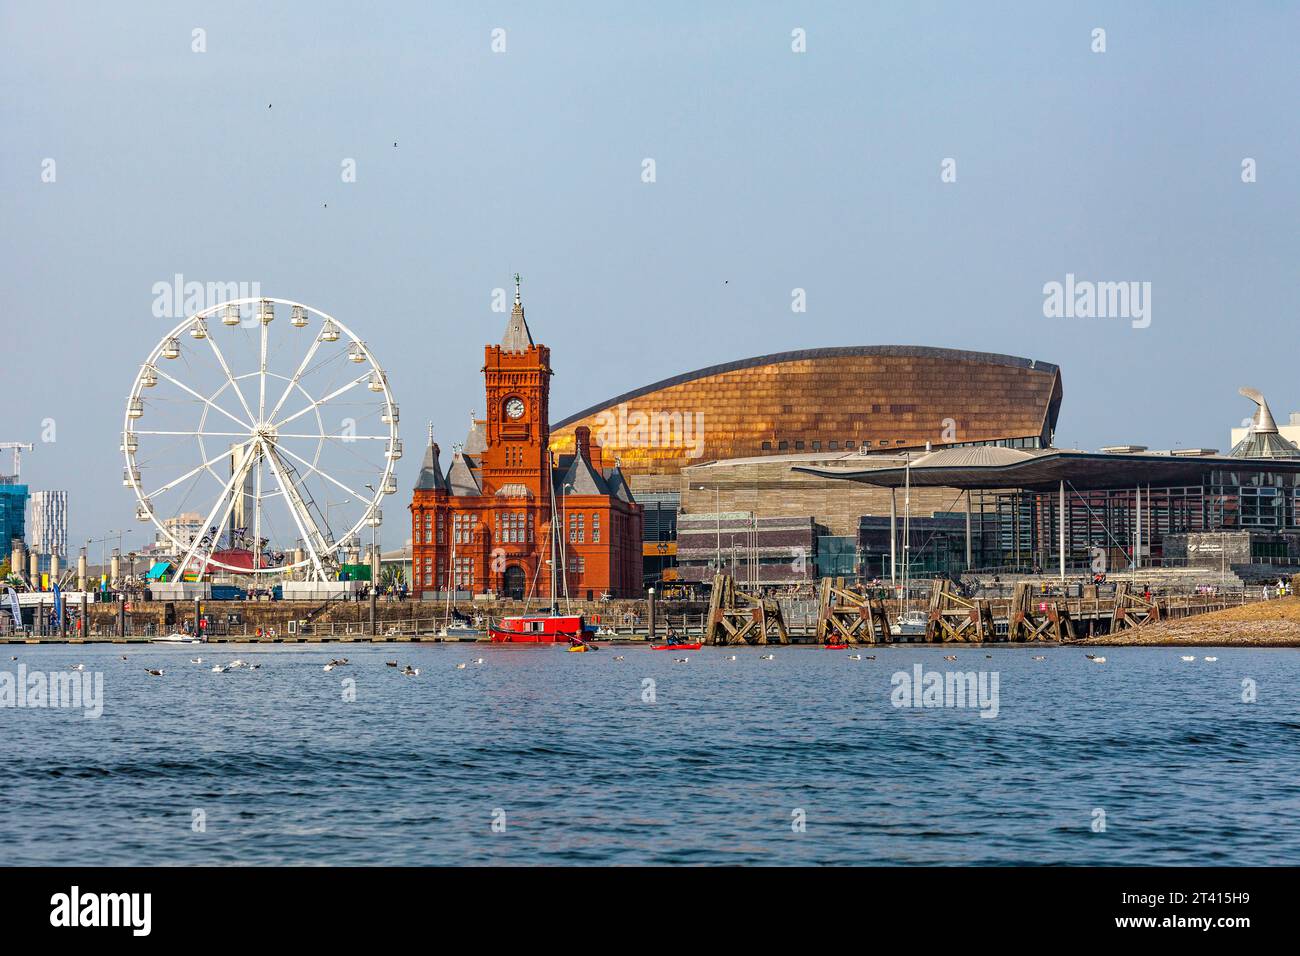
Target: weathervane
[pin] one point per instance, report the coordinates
(517, 298)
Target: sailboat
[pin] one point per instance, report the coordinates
(910, 623)
(457, 627)
(550, 628)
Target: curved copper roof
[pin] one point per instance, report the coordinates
(863, 396)
(800, 355)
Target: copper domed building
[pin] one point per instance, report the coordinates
(719, 447)
(855, 398)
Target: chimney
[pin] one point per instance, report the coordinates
(582, 441)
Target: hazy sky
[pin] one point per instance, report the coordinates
(774, 170)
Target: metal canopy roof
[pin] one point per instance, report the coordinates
(1044, 470)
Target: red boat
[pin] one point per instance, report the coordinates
(538, 629)
(836, 647)
(677, 647)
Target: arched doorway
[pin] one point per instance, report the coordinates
(514, 583)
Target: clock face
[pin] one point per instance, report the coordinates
(515, 408)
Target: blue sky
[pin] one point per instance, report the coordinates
(775, 171)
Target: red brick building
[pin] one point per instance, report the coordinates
(484, 525)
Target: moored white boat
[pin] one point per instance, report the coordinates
(176, 637)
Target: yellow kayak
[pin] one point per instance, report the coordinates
(579, 649)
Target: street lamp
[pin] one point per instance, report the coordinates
(717, 523)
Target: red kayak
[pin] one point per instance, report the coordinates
(836, 647)
(676, 647)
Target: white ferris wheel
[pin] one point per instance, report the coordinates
(260, 438)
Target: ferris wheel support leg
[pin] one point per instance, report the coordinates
(295, 504)
(235, 479)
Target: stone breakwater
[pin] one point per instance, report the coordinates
(1274, 623)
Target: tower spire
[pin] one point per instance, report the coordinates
(517, 338)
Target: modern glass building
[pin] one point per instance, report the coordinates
(1049, 510)
(13, 511)
(47, 525)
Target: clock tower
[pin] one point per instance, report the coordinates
(507, 518)
(517, 379)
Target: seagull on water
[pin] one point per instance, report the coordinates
(1189, 657)
(218, 669)
(154, 673)
(410, 671)
(619, 658)
(459, 667)
(78, 667)
(1040, 657)
(193, 660)
(390, 663)
(855, 657)
(680, 660)
(950, 657)
(768, 657)
(1211, 659)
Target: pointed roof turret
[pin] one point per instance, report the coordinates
(582, 479)
(460, 478)
(431, 478)
(476, 440)
(618, 485)
(1262, 439)
(517, 337)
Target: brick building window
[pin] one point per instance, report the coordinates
(428, 526)
(462, 528)
(577, 533)
(595, 527)
(442, 526)
(464, 571)
(510, 528)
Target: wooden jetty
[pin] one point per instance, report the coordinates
(736, 617)
(854, 614)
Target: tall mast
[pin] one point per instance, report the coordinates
(550, 484)
(907, 531)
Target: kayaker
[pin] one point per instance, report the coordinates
(673, 637)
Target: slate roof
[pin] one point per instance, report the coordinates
(431, 477)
